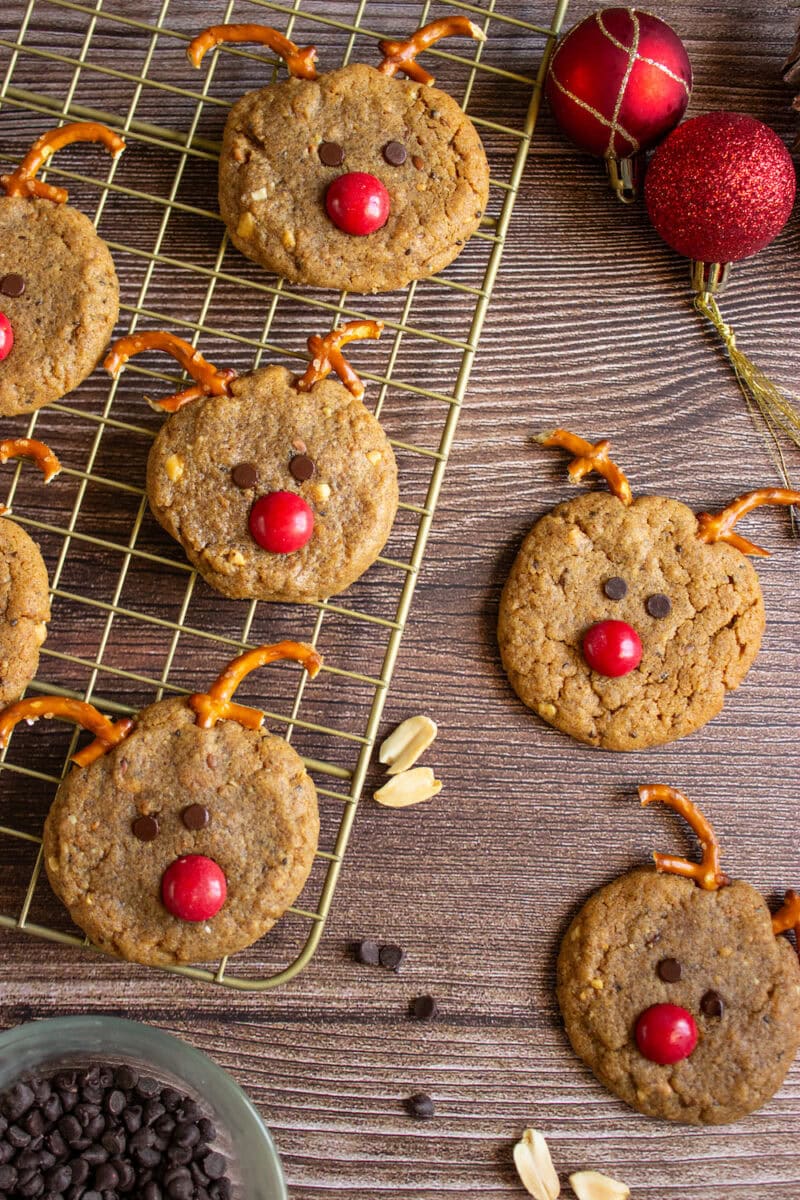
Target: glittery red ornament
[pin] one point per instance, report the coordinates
(720, 187)
(618, 82)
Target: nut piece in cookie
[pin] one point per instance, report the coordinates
(675, 988)
(59, 294)
(24, 592)
(278, 487)
(353, 179)
(184, 834)
(625, 622)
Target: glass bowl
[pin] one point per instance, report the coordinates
(41, 1046)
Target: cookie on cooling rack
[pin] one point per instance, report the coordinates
(676, 990)
(184, 834)
(626, 622)
(59, 294)
(353, 179)
(24, 590)
(277, 487)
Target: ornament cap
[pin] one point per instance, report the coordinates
(625, 176)
(709, 279)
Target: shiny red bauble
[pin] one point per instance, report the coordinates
(357, 203)
(618, 82)
(720, 187)
(666, 1033)
(193, 888)
(6, 336)
(281, 522)
(612, 648)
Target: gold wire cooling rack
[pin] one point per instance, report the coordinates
(111, 568)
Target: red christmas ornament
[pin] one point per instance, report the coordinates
(720, 188)
(618, 82)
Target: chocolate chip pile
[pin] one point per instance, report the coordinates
(105, 1133)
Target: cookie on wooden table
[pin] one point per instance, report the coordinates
(278, 487)
(59, 294)
(675, 988)
(353, 179)
(24, 589)
(625, 622)
(184, 834)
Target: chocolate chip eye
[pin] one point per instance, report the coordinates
(615, 588)
(244, 476)
(195, 816)
(658, 606)
(394, 153)
(12, 285)
(712, 1004)
(669, 969)
(331, 154)
(301, 467)
(146, 828)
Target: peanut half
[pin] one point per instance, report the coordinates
(591, 1185)
(410, 787)
(406, 743)
(535, 1166)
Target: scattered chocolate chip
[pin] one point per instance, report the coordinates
(12, 285)
(394, 153)
(658, 605)
(145, 828)
(392, 957)
(615, 587)
(301, 467)
(194, 817)
(367, 952)
(424, 1008)
(420, 1105)
(331, 154)
(669, 969)
(418, 162)
(244, 476)
(712, 1004)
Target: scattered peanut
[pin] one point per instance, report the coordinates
(411, 787)
(591, 1185)
(406, 743)
(535, 1166)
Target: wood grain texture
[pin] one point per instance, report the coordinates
(590, 327)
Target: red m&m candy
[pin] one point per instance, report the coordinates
(6, 336)
(193, 888)
(666, 1033)
(612, 648)
(281, 522)
(357, 203)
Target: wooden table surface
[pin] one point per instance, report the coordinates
(591, 327)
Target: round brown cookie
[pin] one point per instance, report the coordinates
(276, 166)
(64, 316)
(215, 457)
(260, 827)
(740, 983)
(24, 609)
(700, 649)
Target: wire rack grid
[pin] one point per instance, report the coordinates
(131, 551)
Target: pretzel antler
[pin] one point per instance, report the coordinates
(299, 62)
(718, 527)
(210, 381)
(788, 917)
(216, 704)
(588, 458)
(107, 733)
(326, 355)
(706, 873)
(41, 454)
(399, 56)
(22, 182)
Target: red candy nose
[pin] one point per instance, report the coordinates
(357, 203)
(612, 648)
(281, 522)
(6, 336)
(666, 1033)
(193, 888)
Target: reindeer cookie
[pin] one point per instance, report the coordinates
(675, 988)
(277, 487)
(59, 295)
(354, 179)
(184, 834)
(24, 593)
(625, 622)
